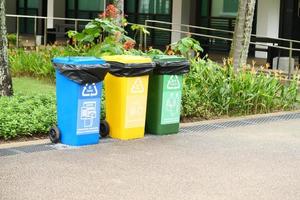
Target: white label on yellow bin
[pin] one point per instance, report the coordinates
(136, 103)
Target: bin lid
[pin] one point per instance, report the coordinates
(82, 70)
(168, 58)
(171, 65)
(127, 59)
(78, 60)
(129, 66)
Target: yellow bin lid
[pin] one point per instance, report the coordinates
(127, 59)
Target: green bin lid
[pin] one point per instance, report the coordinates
(167, 58)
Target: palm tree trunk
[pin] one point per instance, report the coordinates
(242, 33)
(5, 77)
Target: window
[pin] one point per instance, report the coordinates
(130, 6)
(298, 8)
(33, 3)
(138, 11)
(155, 6)
(230, 6)
(82, 9)
(28, 7)
(224, 8)
(92, 5)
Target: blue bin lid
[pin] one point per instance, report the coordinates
(78, 60)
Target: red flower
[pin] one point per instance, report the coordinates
(129, 44)
(111, 11)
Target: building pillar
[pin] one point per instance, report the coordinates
(268, 16)
(180, 15)
(50, 13)
(176, 18)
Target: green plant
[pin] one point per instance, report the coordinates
(141, 30)
(26, 115)
(211, 90)
(153, 52)
(187, 46)
(12, 39)
(105, 34)
(36, 63)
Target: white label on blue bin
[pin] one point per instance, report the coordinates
(87, 120)
(88, 111)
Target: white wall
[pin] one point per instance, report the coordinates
(268, 15)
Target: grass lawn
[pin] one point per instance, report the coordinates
(28, 85)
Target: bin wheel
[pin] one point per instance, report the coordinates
(104, 128)
(54, 134)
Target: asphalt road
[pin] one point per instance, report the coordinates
(253, 162)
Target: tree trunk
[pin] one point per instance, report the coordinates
(5, 77)
(120, 5)
(242, 33)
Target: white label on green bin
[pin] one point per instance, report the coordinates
(171, 101)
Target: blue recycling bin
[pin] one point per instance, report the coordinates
(78, 97)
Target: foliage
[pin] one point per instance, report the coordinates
(140, 28)
(12, 39)
(31, 111)
(36, 63)
(186, 47)
(211, 90)
(26, 114)
(153, 52)
(96, 28)
(104, 34)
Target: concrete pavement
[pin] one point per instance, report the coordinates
(250, 162)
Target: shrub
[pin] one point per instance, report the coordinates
(12, 39)
(35, 63)
(26, 115)
(211, 90)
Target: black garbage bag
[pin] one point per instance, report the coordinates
(81, 73)
(172, 67)
(130, 70)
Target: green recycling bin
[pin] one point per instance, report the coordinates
(164, 94)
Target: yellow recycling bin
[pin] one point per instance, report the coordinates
(126, 89)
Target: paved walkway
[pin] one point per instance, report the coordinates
(247, 162)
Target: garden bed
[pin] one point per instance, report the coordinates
(210, 91)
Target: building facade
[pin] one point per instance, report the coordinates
(273, 18)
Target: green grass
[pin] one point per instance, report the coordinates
(28, 85)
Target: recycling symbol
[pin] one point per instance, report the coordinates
(173, 83)
(137, 86)
(89, 90)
